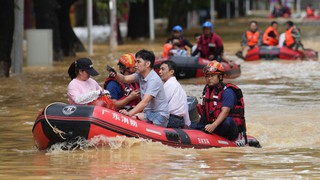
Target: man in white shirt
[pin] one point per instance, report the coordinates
(176, 96)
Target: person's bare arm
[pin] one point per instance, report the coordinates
(142, 104)
(139, 107)
(121, 78)
(222, 116)
(125, 79)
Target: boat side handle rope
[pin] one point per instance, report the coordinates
(54, 129)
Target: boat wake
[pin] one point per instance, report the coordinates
(80, 143)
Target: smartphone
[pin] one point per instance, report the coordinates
(110, 69)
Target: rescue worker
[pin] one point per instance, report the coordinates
(210, 44)
(293, 37)
(251, 38)
(177, 37)
(310, 11)
(124, 95)
(222, 107)
(271, 35)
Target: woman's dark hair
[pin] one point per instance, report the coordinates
(73, 71)
(146, 56)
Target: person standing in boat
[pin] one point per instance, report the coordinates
(176, 96)
(251, 38)
(124, 95)
(83, 89)
(177, 37)
(271, 35)
(153, 102)
(293, 37)
(210, 44)
(222, 110)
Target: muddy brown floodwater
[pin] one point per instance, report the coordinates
(282, 111)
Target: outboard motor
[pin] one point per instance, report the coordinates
(192, 108)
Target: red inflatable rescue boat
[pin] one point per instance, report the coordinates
(192, 67)
(284, 53)
(62, 122)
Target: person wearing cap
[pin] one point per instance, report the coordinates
(251, 38)
(176, 96)
(222, 108)
(210, 44)
(153, 106)
(177, 37)
(83, 89)
(125, 95)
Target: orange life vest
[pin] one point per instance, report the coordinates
(252, 37)
(166, 48)
(270, 41)
(212, 104)
(127, 89)
(310, 12)
(289, 38)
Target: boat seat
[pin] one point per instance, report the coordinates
(269, 52)
(186, 67)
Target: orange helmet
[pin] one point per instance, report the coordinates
(128, 61)
(214, 67)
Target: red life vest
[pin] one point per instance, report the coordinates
(212, 104)
(270, 41)
(289, 38)
(252, 37)
(310, 12)
(127, 89)
(205, 44)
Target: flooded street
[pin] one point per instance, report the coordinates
(282, 112)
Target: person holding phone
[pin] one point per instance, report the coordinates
(124, 95)
(153, 106)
